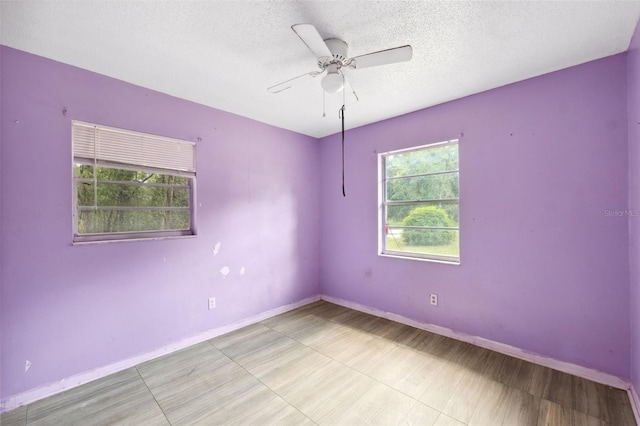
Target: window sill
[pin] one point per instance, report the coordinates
(422, 259)
(123, 240)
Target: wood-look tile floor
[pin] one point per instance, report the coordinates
(325, 364)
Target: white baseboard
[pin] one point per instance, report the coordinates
(567, 367)
(635, 403)
(36, 394)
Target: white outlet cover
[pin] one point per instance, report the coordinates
(212, 303)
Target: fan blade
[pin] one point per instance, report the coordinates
(384, 57)
(350, 96)
(292, 81)
(310, 36)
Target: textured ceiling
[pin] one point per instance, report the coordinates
(225, 54)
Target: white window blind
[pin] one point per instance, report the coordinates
(106, 145)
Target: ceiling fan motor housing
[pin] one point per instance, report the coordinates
(339, 49)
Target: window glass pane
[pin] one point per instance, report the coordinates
(424, 214)
(106, 221)
(107, 173)
(433, 187)
(117, 194)
(429, 160)
(421, 192)
(423, 241)
(132, 189)
(84, 171)
(86, 194)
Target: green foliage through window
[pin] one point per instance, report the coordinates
(427, 216)
(121, 200)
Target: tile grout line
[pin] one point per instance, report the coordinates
(496, 381)
(261, 382)
(418, 401)
(152, 395)
(358, 371)
(332, 359)
(415, 401)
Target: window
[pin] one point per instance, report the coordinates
(419, 202)
(130, 185)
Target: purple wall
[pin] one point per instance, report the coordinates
(543, 268)
(1, 238)
(633, 99)
(69, 309)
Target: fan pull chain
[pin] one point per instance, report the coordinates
(342, 117)
(95, 170)
(323, 105)
(344, 89)
(341, 114)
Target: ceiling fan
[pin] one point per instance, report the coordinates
(332, 55)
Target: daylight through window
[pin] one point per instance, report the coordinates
(130, 185)
(419, 202)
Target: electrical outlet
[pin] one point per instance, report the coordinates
(212, 303)
(434, 299)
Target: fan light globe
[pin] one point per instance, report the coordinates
(332, 82)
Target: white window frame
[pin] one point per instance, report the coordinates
(130, 150)
(383, 203)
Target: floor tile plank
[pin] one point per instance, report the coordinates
(331, 388)
(405, 370)
(193, 375)
(297, 368)
(15, 417)
(591, 398)
(559, 389)
(492, 405)
(552, 414)
(531, 378)
(522, 408)
(421, 415)
(188, 409)
(380, 405)
(120, 398)
(444, 420)
(289, 323)
(441, 389)
(620, 408)
(258, 406)
(246, 340)
(466, 396)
